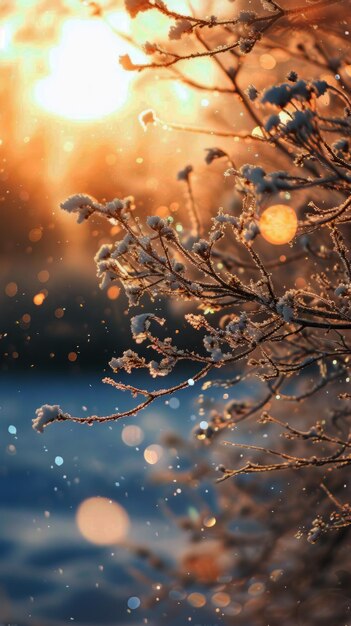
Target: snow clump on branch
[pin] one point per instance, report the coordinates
(281, 95)
(180, 28)
(140, 325)
(80, 203)
(46, 414)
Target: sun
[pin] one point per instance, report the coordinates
(85, 81)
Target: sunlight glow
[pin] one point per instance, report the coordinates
(86, 81)
(5, 36)
(258, 132)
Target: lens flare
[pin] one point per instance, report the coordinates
(278, 224)
(86, 81)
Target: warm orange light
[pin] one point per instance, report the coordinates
(221, 599)
(35, 234)
(278, 224)
(300, 283)
(11, 289)
(153, 453)
(102, 521)
(43, 276)
(197, 600)
(267, 61)
(113, 292)
(206, 566)
(39, 298)
(86, 81)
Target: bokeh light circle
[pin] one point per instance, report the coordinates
(133, 603)
(197, 600)
(102, 521)
(132, 435)
(278, 224)
(85, 80)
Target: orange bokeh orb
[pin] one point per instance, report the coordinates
(197, 600)
(278, 224)
(205, 567)
(102, 521)
(39, 298)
